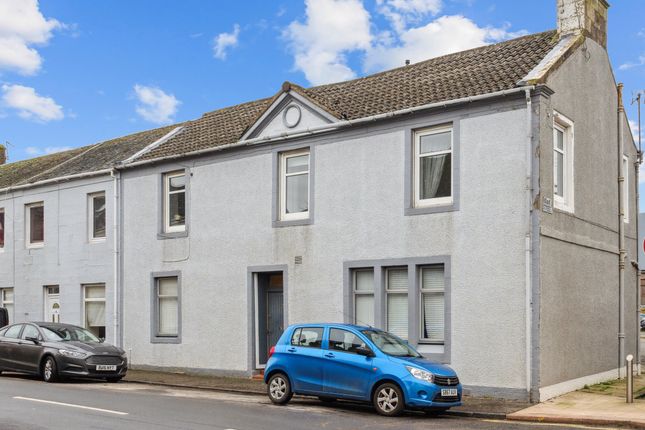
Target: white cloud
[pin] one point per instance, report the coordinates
(32, 150)
(401, 13)
(445, 35)
(225, 41)
(336, 30)
(155, 105)
(332, 29)
(22, 25)
(632, 64)
(31, 105)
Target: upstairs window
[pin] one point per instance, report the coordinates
(433, 166)
(563, 163)
(1, 227)
(97, 216)
(35, 225)
(174, 202)
(294, 185)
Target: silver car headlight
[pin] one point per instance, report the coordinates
(423, 375)
(72, 354)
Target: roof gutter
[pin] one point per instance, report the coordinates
(333, 126)
(57, 180)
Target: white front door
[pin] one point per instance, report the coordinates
(52, 304)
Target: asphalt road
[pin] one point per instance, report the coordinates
(29, 404)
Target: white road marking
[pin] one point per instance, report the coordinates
(69, 405)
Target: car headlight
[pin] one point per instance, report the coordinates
(73, 354)
(423, 375)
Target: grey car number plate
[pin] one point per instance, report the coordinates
(448, 392)
(105, 367)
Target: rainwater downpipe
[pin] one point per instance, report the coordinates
(116, 176)
(527, 240)
(621, 237)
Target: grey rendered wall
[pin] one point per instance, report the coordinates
(579, 252)
(359, 186)
(68, 259)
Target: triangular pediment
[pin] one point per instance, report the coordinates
(289, 112)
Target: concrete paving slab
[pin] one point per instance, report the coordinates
(586, 408)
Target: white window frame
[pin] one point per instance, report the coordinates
(358, 292)
(28, 208)
(389, 292)
(565, 125)
(437, 201)
(4, 302)
(4, 229)
(94, 300)
(284, 216)
(90, 217)
(423, 291)
(625, 189)
(167, 228)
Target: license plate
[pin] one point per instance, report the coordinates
(448, 392)
(107, 368)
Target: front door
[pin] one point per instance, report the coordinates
(52, 304)
(275, 318)
(269, 321)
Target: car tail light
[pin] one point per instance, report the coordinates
(271, 351)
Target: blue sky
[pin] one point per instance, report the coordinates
(75, 72)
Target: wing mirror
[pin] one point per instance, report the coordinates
(35, 340)
(363, 350)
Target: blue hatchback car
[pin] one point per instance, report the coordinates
(342, 361)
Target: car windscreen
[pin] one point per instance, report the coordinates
(62, 334)
(390, 344)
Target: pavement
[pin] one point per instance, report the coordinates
(602, 404)
(26, 403)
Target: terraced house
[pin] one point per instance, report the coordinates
(481, 205)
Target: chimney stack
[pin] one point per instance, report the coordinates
(3, 154)
(588, 17)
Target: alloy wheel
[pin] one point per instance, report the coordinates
(278, 388)
(387, 400)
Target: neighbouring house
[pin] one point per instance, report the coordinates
(641, 257)
(481, 205)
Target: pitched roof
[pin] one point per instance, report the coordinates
(92, 158)
(469, 73)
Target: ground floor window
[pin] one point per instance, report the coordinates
(94, 309)
(6, 301)
(166, 307)
(396, 289)
(409, 297)
(363, 284)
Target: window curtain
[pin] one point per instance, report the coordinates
(433, 303)
(168, 307)
(397, 302)
(95, 314)
(431, 174)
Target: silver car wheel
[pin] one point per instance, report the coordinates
(278, 388)
(48, 369)
(387, 399)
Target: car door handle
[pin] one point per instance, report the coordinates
(330, 355)
(292, 349)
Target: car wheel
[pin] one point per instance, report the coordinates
(327, 399)
(50, 372)
(279, 389)
(114, 380)
(388, 400)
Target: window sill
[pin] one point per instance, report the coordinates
(167, 340)
(172, 235)
(431, 209)
(98, 240)
(36, 246)
(292, 222)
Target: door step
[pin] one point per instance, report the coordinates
(258, 376)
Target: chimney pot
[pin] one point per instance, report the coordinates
(587, 17)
